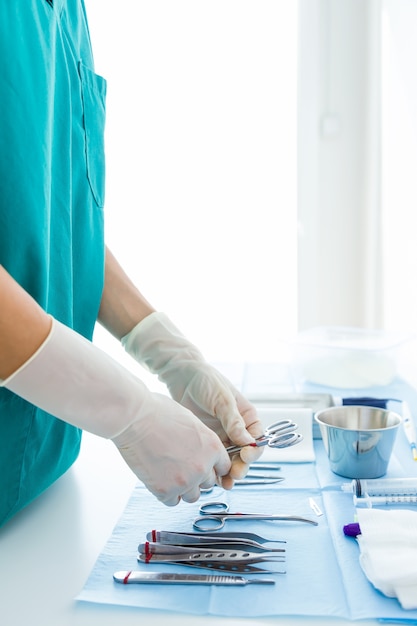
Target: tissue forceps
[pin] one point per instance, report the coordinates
(214, 515)
(281, 434)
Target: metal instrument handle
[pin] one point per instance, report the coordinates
(188, 579)
(214, 508)
(211, 556)
(284, 441)
(232, 547)
(283, 426)
(182, 538)
(207, 523)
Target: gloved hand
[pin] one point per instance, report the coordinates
(165, 445)
(158, 345)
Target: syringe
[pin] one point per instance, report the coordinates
(371, 501)
(382, 487)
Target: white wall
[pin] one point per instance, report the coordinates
(203, 131)
(201, 145)
(339, 163)
(399, 163)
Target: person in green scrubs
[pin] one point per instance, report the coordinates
(57, 279)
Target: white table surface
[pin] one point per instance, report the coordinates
(48, 550)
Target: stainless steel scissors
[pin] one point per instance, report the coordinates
(281, 434)
(214, 515)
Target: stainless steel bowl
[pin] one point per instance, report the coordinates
(358, 439)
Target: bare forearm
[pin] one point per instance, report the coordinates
(24, 325)
(122, 305)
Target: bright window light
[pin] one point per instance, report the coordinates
(201, 164)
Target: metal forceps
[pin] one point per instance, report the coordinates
(214, 515)
(281, 434)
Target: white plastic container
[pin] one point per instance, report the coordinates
(348, 357)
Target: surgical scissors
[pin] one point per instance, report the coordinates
(214, 515)
(281, 434)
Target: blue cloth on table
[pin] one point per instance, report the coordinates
(323, 576)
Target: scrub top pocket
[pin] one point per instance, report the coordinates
(93, 89)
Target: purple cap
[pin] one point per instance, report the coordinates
(352, 530)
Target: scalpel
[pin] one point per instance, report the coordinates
(187, 579)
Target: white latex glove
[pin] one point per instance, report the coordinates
(165, 445)
(158, 345)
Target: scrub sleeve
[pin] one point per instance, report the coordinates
(52, 111)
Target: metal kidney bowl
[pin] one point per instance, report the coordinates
(358, 439)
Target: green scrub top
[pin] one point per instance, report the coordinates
(52, 110)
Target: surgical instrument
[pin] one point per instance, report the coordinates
(250, 479)
(213, 516)
(257, 480)
(281, 434)
(241, 568)
(158, 553)
(187, 579)
(217, 541)
(264, 465)
(315, 507)
(206, 541)
(224, 566)
(165, 535)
